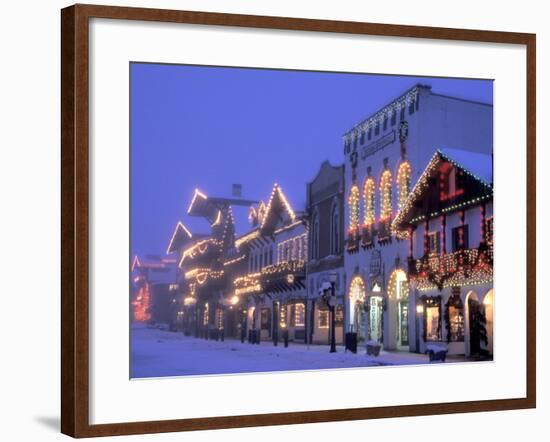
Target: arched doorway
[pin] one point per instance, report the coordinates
(357, 307)
(376, 312)
(488, 302)
(476, 325)
(398, 291)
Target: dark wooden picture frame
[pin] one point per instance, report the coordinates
(75, 219)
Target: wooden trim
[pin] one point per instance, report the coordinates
(68, 344)
(74, 218)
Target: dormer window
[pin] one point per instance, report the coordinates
(450, 182)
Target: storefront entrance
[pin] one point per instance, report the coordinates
(474, 312)
(360, 322)
(357, 308)
(376, 310)
(398, 290)
(403, 324)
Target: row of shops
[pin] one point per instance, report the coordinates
(393, 248)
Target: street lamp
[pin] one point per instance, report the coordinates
(331, 303)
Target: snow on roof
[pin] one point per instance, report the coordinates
(478, 164)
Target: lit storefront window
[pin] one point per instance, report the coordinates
(219, 318)
(456, 319)
(323, 318)
(282, 318)
(299, 315)
(339, 315)
(432, 323)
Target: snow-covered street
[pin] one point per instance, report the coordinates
(162, 353)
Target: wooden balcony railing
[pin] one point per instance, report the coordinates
(456, 268)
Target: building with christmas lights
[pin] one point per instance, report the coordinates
(154, 290)
(272, 290)
(325, 208)
(448, 219)
(385, 155)
(207, 263)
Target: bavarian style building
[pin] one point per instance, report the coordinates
(385, 156)
(402, 230)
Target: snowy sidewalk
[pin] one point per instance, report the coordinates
(161, 353)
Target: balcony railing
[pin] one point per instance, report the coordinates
(384, 230)
(367, 238)
(353, 240)
(284, 268)
(456, 268)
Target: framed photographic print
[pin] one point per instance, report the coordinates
(273, 220)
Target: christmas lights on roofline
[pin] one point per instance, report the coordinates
(218, 219)
(422, 184)
(135, 263)
(197, 194)
(277, 190)
(379, 116)
(179, 226)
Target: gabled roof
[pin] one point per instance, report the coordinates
(201, 206)
(480, 165)
(135, 263)
(479, 170)
(277, 206)
(180, 237)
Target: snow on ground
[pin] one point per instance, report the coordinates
(158, 353)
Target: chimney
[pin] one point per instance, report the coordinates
(237, 190)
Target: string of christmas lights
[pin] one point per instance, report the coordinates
(378, 117)
(353, 202)
(369, 195)
(404, 174)
(385, 195)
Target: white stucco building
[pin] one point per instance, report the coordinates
(385, 156)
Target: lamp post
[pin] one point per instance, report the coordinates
(331, 303)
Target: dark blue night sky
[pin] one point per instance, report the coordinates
(211, 127)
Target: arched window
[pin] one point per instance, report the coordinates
(385, 196)
(353, 203)
(357, 296)
(403, 183)
(454, 317)
(369, 195)
(315, 236)
(398, 287)
(335, 229)
(357, 290)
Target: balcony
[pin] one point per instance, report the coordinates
(285, 276)
(367, 237)
(352, 244)
(384, 230)
(295, 267)
(463, 267)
